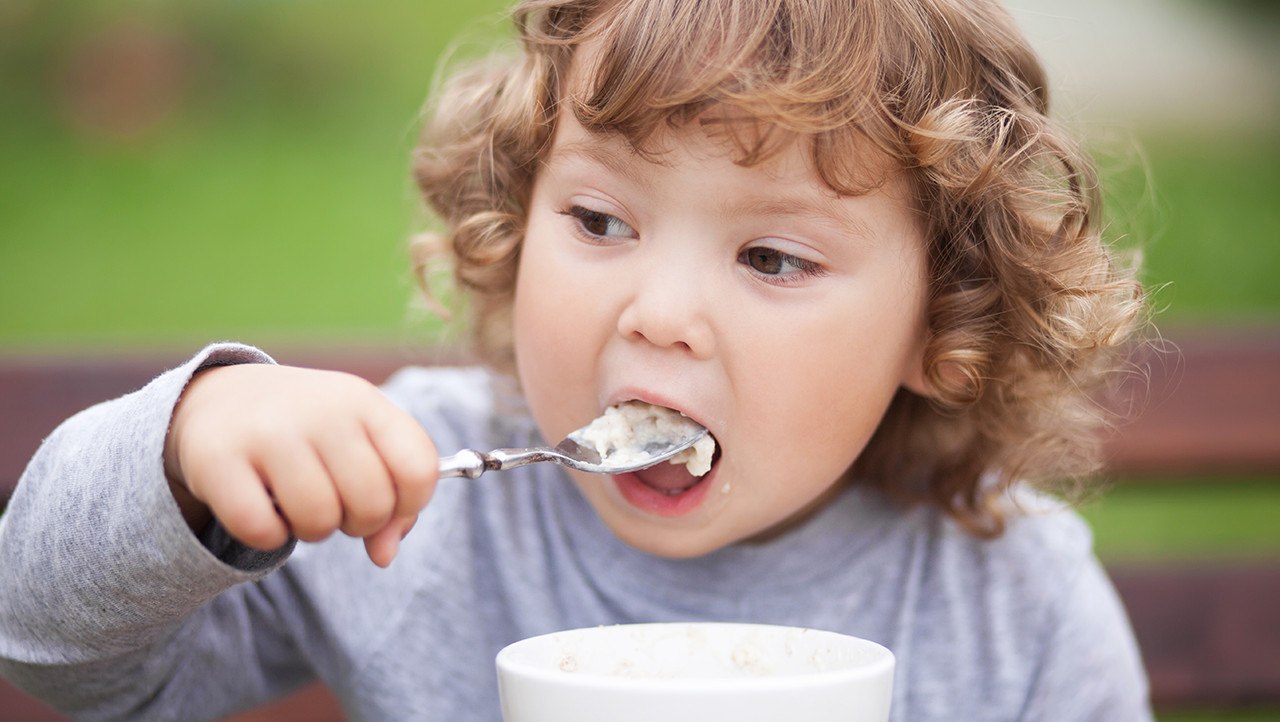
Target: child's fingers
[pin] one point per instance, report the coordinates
(317, 452)
(302, 489)
(237, 497)
(410, 457)
(363, 483)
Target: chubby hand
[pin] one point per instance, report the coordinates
(275, 450)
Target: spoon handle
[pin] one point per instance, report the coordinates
(471, 463)
(468, 462)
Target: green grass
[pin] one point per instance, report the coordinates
(206, 238)
(1198, 519)
(274, 227)
(1202, 210)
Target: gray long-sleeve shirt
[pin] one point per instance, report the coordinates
(110, 608)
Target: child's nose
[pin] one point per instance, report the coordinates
(669, 310)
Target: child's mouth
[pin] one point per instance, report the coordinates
(669, 479)
(667, 489)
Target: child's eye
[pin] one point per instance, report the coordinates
(599, 225)
(776, 265)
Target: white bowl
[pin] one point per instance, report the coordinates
(687, 672)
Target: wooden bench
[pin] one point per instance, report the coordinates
(1210, 634)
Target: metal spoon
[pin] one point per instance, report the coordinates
(573, 452)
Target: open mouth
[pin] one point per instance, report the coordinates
(667, 489)
(674, 479)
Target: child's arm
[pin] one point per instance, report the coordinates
(110, 607)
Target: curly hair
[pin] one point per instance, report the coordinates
(1029, 309)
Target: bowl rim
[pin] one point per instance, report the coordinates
(509, 661)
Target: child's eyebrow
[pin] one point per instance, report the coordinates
(614, 160)
(821, 210)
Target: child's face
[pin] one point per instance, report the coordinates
(753, 299)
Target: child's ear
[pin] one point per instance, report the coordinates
(914, 378)
(945, 379)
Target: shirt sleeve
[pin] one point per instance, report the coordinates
(1091, 669)
(105, 599)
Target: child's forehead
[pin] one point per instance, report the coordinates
(789, 157)
(667, 146)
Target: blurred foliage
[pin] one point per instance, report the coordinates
(1250, 11)
(1202, 212)
(180, 171)
(186, 170)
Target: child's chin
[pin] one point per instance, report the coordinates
(671, 543)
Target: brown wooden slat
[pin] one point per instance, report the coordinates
(1210, 405)
(17, 705)
(38, 393)
(1210, 635)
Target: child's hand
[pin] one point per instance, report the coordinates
(273, 450)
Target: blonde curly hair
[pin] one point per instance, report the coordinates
(1029, 310)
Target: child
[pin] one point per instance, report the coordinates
(843, 236)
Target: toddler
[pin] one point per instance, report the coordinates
(843, 235)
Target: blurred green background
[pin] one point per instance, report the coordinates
(177, 172)
(180, 171)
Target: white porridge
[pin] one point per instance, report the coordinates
(622, 432)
